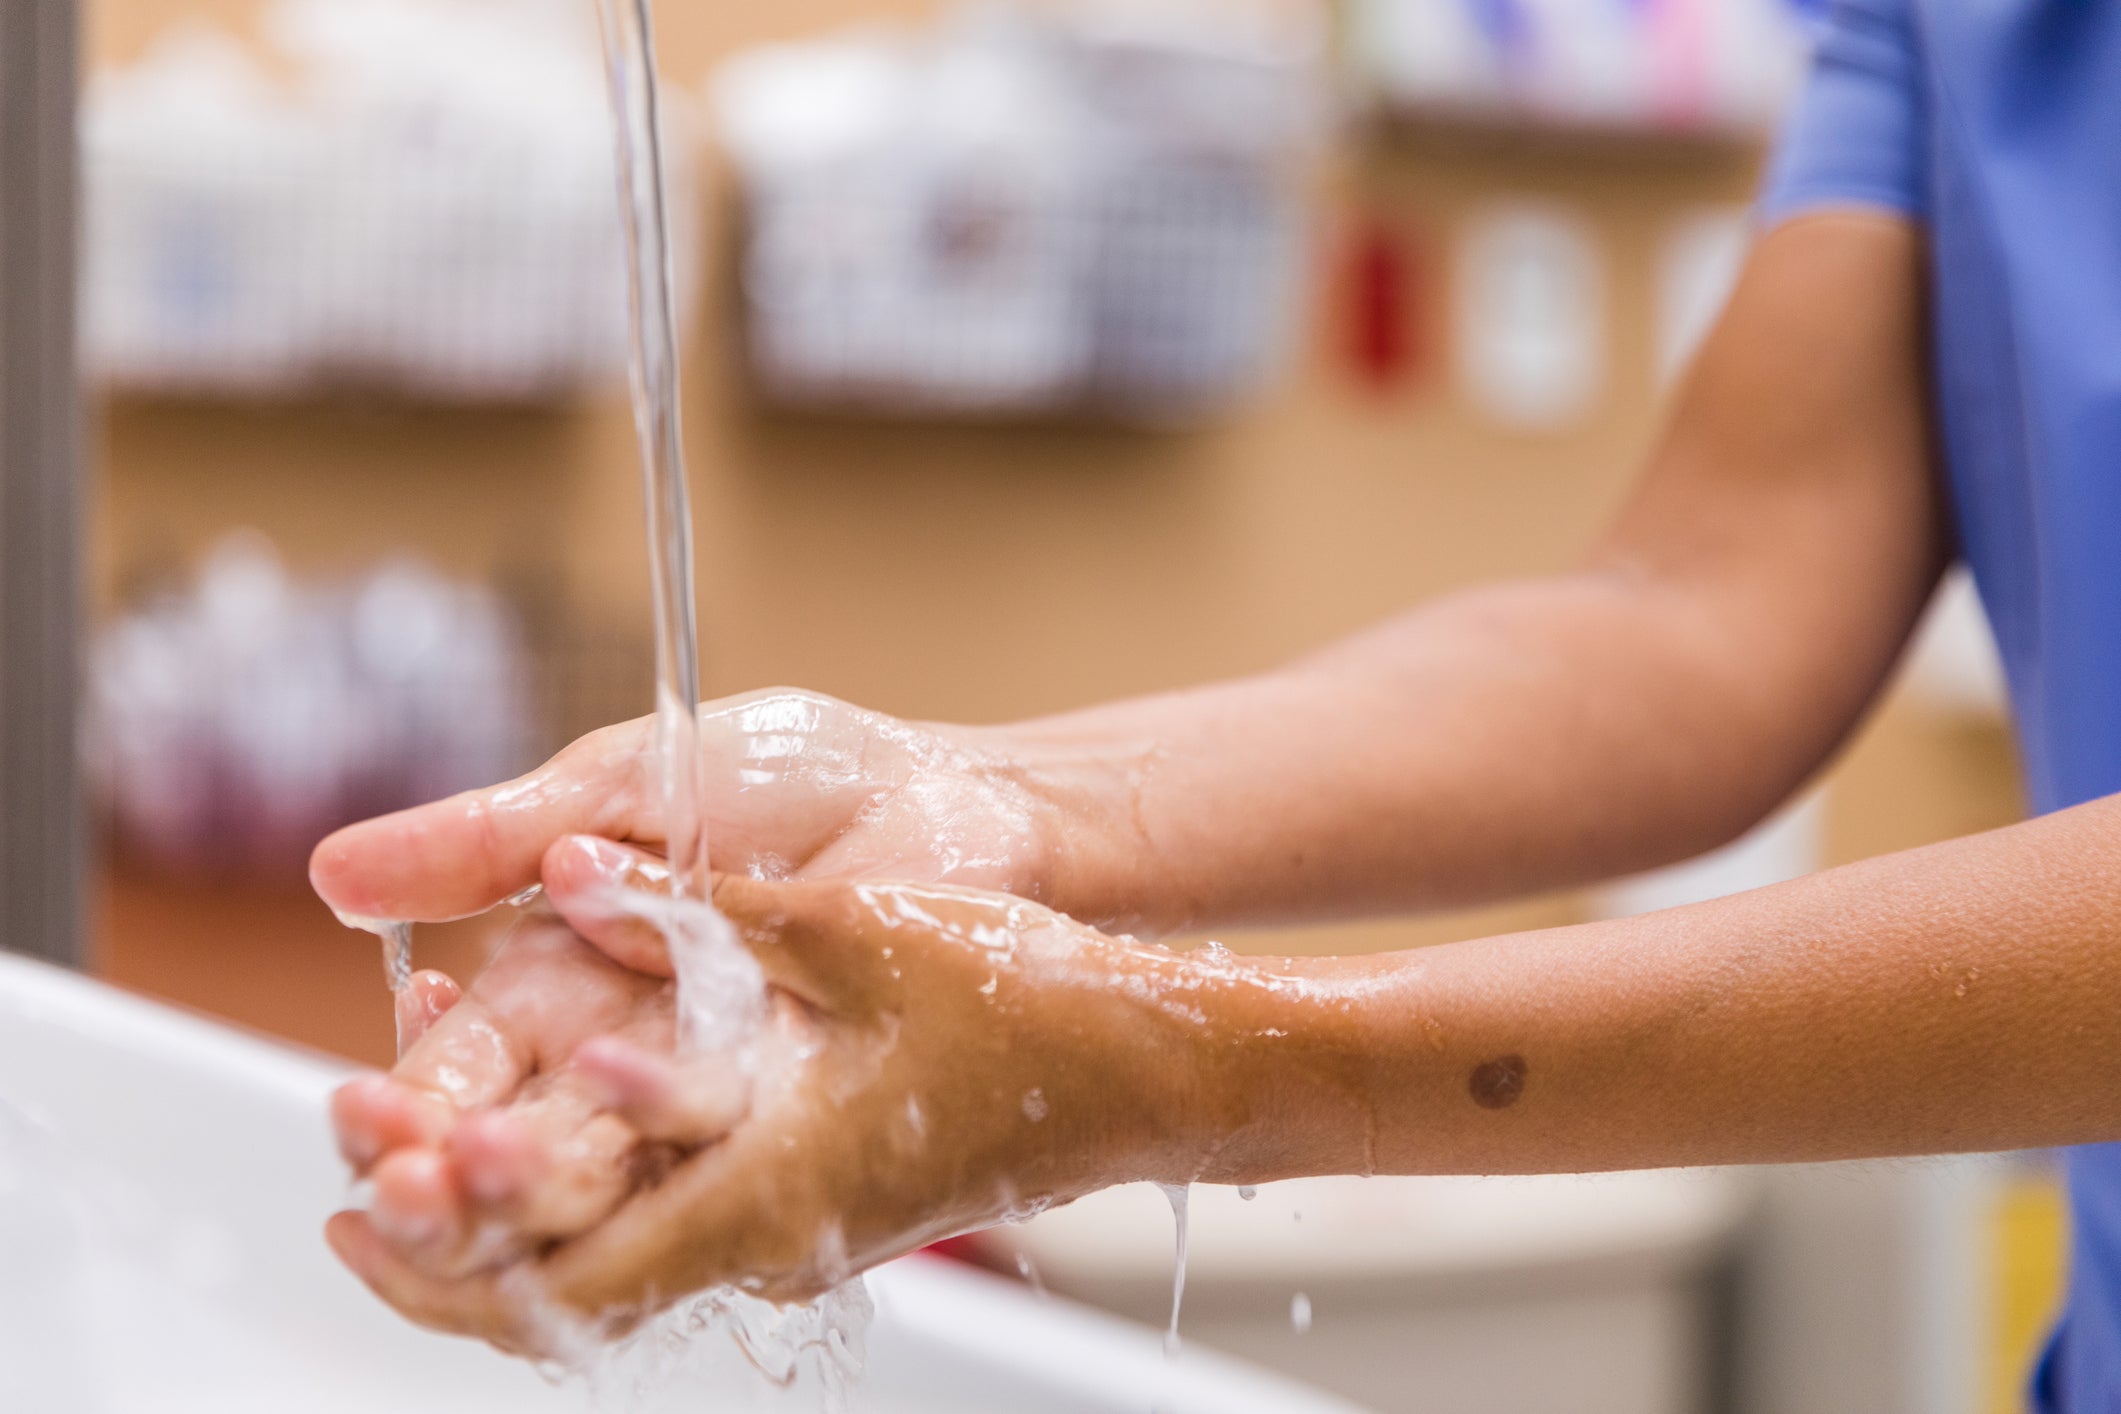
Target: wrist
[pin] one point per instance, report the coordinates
(1086, 848)
(1284, 1067)
(1169, 1099)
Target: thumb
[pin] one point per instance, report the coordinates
(461, 856)
(809, 939)
(594, 884)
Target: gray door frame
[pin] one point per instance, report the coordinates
(43, 834)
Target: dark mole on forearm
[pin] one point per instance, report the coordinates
(1497, 1084)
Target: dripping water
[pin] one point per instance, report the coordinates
(397, 955)
(397, 974)
(1178, 1194)
(397, 962)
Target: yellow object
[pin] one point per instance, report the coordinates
(2027, 1246)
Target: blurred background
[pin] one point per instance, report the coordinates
(1035, 354)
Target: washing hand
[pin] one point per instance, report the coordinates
(794, 785)
(934, 1060)
(491, 1136)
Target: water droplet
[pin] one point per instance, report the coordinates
(1035, 1106)
(1029, 1273)
(1177, 1193)
(397, 956)
(523, 898)
(1300, 1313)
(1247, 1192)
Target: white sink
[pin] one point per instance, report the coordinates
(162, 1184)
(1591, 1294)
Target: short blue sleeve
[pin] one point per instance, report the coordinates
(1859, 133)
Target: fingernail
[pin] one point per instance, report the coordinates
(601, 854)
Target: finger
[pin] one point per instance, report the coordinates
(415, 1206)
(419, 1206)
(684, 1104)
(590, 881)
(536, 1185)
(815, 940)
(714, 1221)
(540, 996)
(422, 1003)
(474, 1306)
(374, 1115)
(619, 898)
(498, 1156)
(555, 1160)
(463, 855)
(470, 1056)
(464, 1060)
(791, 769)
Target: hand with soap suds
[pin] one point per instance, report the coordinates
(487, 1140)
(794, 785)
(936, 1060)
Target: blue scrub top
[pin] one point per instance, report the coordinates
(1997, 125)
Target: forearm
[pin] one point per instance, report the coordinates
(1714, 647)
(1508, 740)
(1962, 997)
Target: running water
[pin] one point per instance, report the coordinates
(720, 991)
(1179, 1194)
(629, 58)
(397, 960)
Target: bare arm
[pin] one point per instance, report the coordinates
(1966, 996)
(1713, 649)
(961, 1056)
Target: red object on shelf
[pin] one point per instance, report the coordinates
(1383, 344)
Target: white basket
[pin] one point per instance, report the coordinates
(246, 241)
(1013, 216)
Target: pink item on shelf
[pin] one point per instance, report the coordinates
(1681, 86)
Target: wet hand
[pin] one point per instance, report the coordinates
(488, 1138)
(794, 785)
(935, 1060)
